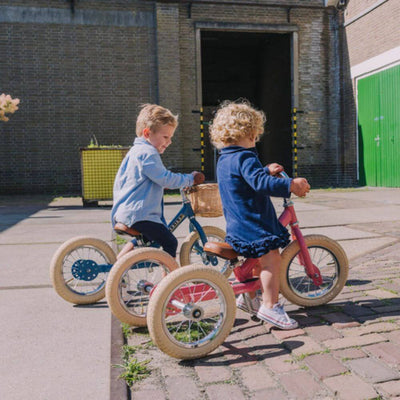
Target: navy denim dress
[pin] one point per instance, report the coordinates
(245, 186)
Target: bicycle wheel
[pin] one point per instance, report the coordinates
(126, 285)
(203, 318)
(192, 249)
(79, 269)
(331, 260)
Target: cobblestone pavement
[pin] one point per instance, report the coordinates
(348, 349)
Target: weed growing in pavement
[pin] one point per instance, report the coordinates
(346, 373)
(134, 370)
(126, 330)
(119, 240)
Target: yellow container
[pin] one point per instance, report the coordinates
(99, 165)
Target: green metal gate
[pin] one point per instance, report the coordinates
(379, 128)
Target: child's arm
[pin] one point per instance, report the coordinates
(155, 170)
(260, 179)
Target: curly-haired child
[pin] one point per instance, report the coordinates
(252, 227)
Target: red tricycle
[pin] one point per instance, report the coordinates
(192, 310)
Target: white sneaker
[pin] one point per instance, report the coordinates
(277, 317)
(254, 303)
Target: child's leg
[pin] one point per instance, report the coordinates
(270, 266)
(271, 311)
(269, 277)
(158, 233)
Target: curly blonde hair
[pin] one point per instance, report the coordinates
(153, 116)
(234, 121)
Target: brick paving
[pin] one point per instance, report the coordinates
(347, 349)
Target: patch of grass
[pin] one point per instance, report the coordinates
(119, 240)
(133, 369)
(126, 330)
(197, 330)
(300, 357)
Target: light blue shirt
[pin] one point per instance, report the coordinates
(139, 185)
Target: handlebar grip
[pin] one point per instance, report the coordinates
(283, 174)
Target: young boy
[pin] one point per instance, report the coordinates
(141, 179)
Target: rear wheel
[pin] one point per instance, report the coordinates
(192, 249)
(328, 256)
(191, 312)
(129, 279)
(79, 269)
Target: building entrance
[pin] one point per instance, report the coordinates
(255, 66)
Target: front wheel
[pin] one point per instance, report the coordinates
(79, 268)
(191, 312)
(192, 248)
(131, 277)
(328, 256)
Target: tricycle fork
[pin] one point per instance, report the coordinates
(312, 270)
(288, 217)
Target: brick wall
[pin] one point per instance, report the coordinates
(76, 75)
(86, 73)
(373, 33)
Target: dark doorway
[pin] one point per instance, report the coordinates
(255, 66)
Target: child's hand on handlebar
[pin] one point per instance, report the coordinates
(198, 177)
(300, 187)
(274, 168)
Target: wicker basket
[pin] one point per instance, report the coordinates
(206, 201)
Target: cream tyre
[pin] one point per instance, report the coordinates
(200, 325)
(125, 294)
(192, 248)
(331, 260)
(73, 255)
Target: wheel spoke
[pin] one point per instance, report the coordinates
(302, 285)
(190, 331)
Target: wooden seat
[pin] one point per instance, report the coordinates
(223, 250)
(122, 228)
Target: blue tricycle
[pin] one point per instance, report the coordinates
(84, 269)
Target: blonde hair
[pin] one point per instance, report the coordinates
(153, 116)
(234, 121)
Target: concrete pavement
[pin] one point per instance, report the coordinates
(54, 350)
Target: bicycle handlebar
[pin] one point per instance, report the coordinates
(283, 174)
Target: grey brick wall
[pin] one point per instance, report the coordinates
(86, 73)
(76, 75)
(373, 33)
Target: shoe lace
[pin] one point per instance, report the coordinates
(280, 310)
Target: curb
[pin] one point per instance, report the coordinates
(119, 390)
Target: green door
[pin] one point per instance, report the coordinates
(379, 128)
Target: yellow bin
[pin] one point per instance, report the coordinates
(99, 165)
